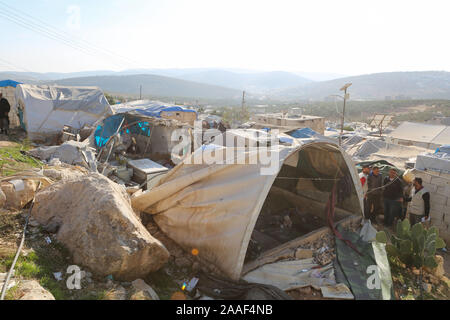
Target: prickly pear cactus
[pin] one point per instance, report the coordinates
(415, 247)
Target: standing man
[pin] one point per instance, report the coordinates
(5, 108)
(364, 177)
(393, 198)
(419, 203)
(374, 194)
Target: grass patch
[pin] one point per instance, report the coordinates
(13, 293)
(162, 283)
(13, 161)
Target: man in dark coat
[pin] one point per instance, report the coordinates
(393, 198)
(5, 108)
(375, 194)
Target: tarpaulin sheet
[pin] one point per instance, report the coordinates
(149, 108)
(8, 83)
(303, 133)
(355, 268)
(110, 126)
(214, 207)
(47, 109)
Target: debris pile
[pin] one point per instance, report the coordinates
(71, 152)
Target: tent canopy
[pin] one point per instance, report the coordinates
(149, 108)
(214, 207)
(427, 133)
(47, 109)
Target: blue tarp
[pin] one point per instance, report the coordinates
(8, 83)
(155, 111)
(110, 126)
(304, 133)
(444, 149)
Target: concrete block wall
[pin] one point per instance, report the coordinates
(9, 93)
(438, 184)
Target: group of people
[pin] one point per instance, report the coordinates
(389, 197)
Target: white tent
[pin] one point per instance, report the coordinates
(47, 109)
(213, 208)
(421, 135)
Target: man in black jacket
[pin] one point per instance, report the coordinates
(375, 193)
(5, 108)
(393, 198)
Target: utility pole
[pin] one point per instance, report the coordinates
(346, 96)
(243, 102)
(140, 92)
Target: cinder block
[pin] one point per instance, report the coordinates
(445, 191)
(437, 219)
(431, 187)
(439, 181)
(425, 176)
(438, 200)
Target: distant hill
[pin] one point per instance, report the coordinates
(260, 82)
(152, 85)
(393, 85)
(228, 84)
(257, 82)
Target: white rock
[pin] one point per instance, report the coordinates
(32, 290)
(140, 285)
(99, 227)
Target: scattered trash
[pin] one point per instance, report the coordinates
(323, 249)
(192, 284)
(339, 291)
(58, 276)
(48, 240)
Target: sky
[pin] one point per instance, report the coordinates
(347, 37)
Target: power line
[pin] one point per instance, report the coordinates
(36, 29)
(64, 34)
(52, 33)
(13, 65)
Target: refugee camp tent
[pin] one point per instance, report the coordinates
(214, 206)
(157, 109)
(47, 109)
(8, 89)
(438, 162)
(421, 135)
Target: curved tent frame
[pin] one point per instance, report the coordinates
(214, 208)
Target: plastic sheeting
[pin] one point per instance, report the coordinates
(214, 207)
(437, 162)
(9, 83)
(303, 133)
(148, 108)
(110, 126)
(47, 109)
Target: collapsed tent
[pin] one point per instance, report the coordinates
(151, 137)
(47, 109)
(157, 109)
(373, 150)
(214, 207)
